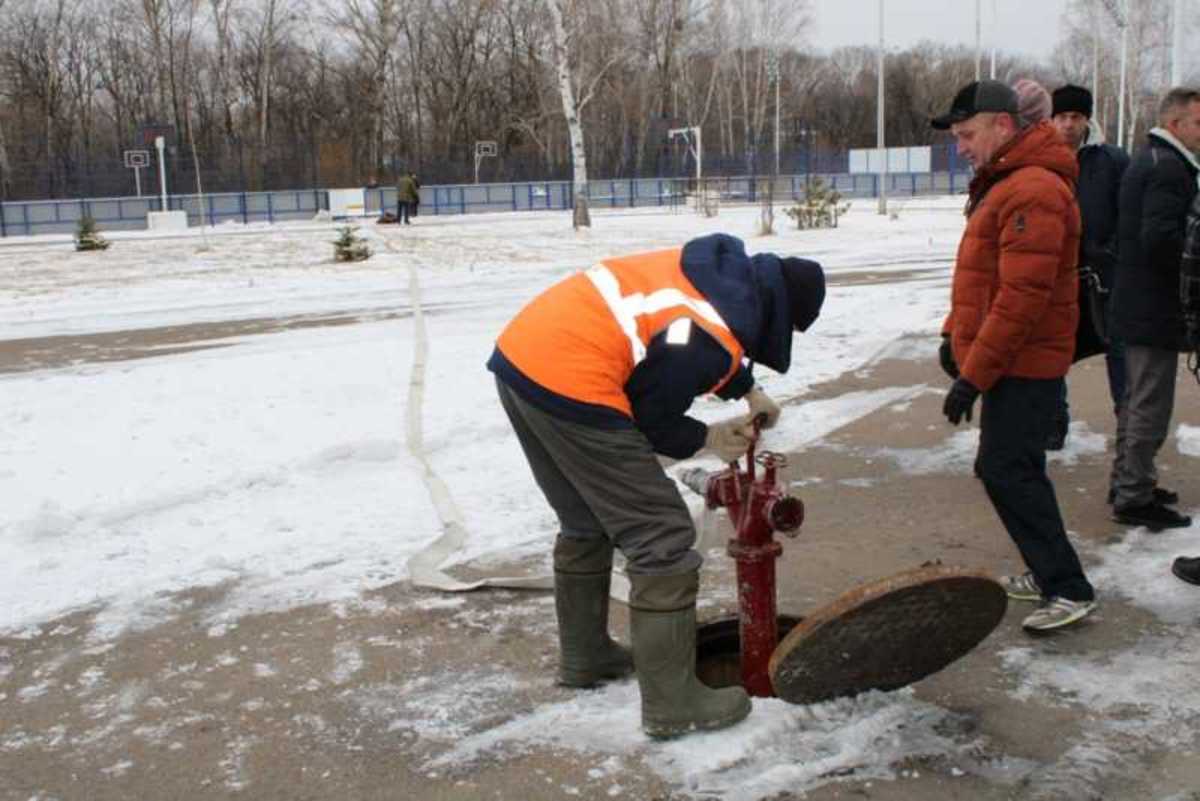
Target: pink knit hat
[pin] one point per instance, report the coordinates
(1033, 102)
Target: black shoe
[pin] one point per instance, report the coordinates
(1187, 569)
(1162, 496)
(1153, 516)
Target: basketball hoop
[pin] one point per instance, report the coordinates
(136, 160)
(483, 149)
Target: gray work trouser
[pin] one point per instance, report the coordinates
(606, 483)
(1142, 423)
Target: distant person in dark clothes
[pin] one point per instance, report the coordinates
(408, 196)
(1100, 169)
(416, 206)
(1188, 567)
(1156, 193)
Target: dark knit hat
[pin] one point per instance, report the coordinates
(805, 281)
(1072, 98)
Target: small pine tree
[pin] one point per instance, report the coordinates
(349, 246)
(820, 208)
(87, 237)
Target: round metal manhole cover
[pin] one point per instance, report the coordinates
(887, 634)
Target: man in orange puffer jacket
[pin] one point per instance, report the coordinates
(1011, 331)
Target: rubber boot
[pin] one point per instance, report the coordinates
(582, 580)
(662, 613)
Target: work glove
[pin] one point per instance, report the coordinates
(761, 404)
(946, 357)
(730, 439)
(959, 400)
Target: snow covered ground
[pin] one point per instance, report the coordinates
(280, 461)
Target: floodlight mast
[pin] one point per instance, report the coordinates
(1177, 44)
(879, 124)
(1116, 10)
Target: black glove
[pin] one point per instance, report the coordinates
(959, 401)
(946, 357)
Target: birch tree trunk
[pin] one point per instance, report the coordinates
(581, 218)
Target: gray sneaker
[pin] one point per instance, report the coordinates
(1022, 588)
(1056, 613)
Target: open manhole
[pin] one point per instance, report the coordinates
(887, 634)
(881, 636)
(719, 650)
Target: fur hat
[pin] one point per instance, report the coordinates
(1073, 98)
(805, 281)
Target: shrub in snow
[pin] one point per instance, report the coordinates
(820, 208)
(349, 246)
(87, 237)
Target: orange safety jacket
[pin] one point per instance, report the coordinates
(583, 337)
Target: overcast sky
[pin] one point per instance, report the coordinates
(1028, 27)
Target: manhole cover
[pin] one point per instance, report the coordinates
(887, 634)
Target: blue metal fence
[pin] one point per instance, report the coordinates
(24, 218)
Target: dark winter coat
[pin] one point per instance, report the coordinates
(1189, 282)
(1014, 305)
(1098, 189)
(1156, 192)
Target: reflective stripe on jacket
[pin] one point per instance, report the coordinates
(583, 337)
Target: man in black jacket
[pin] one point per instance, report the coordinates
(1100, 169)
(1188, 567)
(1156, 192)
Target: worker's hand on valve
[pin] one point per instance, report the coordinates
(761, 404)
(729, 440)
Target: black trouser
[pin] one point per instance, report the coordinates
(403, 210)
(1016, 418)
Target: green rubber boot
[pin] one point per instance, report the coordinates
(582, 580)
(662, 613)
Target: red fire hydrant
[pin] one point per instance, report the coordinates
(758, 508)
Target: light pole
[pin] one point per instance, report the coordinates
(773, 75)
(1095, 56)
(1117, 12)
(978, 38)
(992, 75)
(879, 122)
(1177, 44)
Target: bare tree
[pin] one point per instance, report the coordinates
(578, 81)
(375, 27)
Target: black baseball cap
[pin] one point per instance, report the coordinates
(977, 97)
